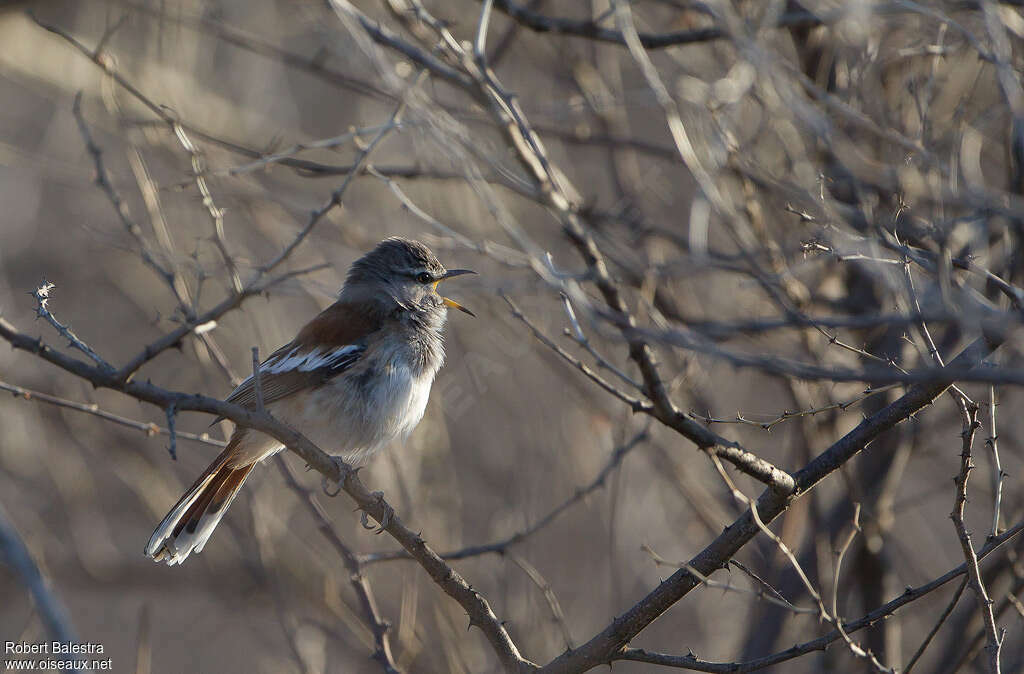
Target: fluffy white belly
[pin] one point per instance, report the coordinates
(354, 416)
(399, 400)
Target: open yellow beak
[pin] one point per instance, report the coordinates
(455, 305)
(448, 302)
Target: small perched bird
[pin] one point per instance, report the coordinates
(354, 378)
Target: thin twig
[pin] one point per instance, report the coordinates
(592, 30)
(480, 43)
(926, 335)
(872, 618)
(993, 636)
(580, 338)
(635, 404)
(265, 162)
(206, 321)
(476, 606)
(150, 429)
(42, 296)
(763, 592)
(549, 596)
(102, 180)
(360, 583)
(954, 600)
(731, 451)
(216, 214)
(608, 642)
(704, 177)
(558, 195)
(336, 196)
(232, 35)
(786, 415)
(15, 555)
(833, 617)
(992, 442)
(502, 546)
(840, 554)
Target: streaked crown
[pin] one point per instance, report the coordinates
(395, 257)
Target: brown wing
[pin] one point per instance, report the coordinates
(324, 348)
(294, 370)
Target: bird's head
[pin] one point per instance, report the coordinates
(403, 273)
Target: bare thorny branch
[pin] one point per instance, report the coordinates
(909, 596)
(357, 577)
(993, 635)
(823, 612)
(483, 85)
(464, 65)
(105, 376)
(501, 547)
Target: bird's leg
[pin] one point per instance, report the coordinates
(326, 484)
(389, 514)
(343, 470)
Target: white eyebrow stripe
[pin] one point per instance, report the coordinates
(308, 361)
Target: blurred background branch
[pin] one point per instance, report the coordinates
(778, 231)
(16, 557)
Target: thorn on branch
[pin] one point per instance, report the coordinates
(42, 295)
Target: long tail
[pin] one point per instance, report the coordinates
(188, 525)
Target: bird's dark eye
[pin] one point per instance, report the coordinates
(424, 277)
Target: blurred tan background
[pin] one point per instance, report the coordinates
(511, 431)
